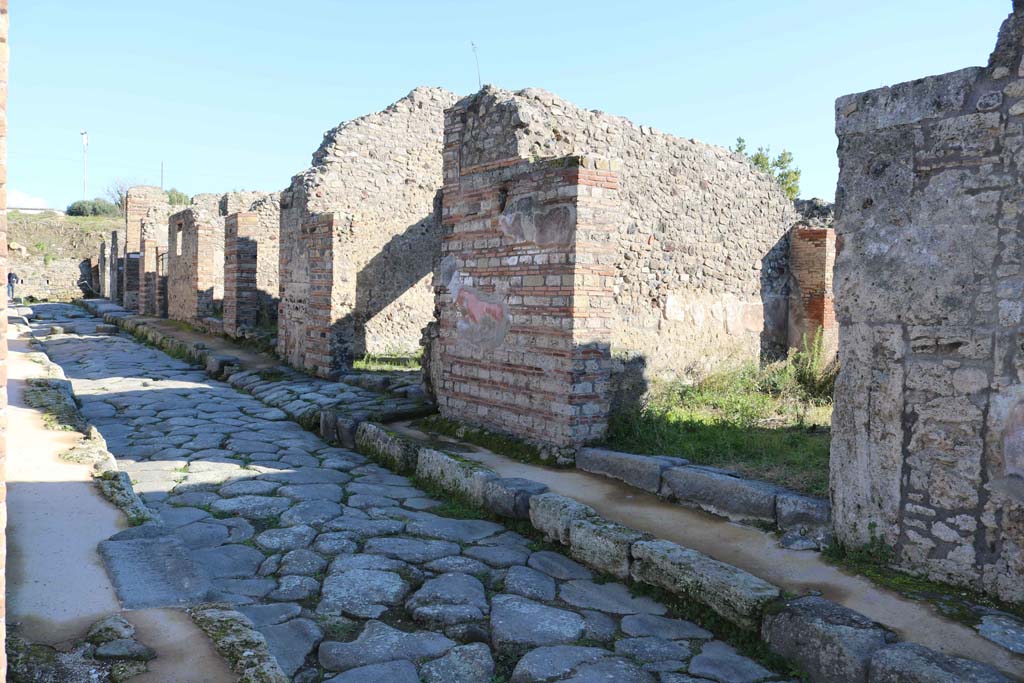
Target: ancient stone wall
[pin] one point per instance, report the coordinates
(702, 258)
(53, 279)
(250, 267)
(115, 265)
(139, 202)
(103, 270)
(928, 430)
(195, 282)
(525, 290)
(812, 256)
(153, 230)
(378, 178)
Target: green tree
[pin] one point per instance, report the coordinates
(176, 197)
(92, 207)
(781, 167)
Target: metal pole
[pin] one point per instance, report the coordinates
(476, 56)
(85, 165)
(161, 175)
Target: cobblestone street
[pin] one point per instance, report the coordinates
(338, 561)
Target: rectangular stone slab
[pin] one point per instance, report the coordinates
(154, 572)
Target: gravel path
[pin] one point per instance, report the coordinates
(341, 564)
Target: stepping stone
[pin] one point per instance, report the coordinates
(329, 492)
(252, 507)
(379, 643)
(364, 593)
(248, 487)
(607, 597)
(294, 588)
(124, 648)
(154, 572)
(335, 543)
(401, 671)
(610, 669)
(551, 663)
(267, 615)
(720, 662)
(673, 629)
(410, 549)
(229, 561)
(290, 642)
(530, 583)
(287, 538)
(518, 622)
(457, 530)
(498, 555)
(652, 649)
(365, 528)
(559, 566)
(466, 664)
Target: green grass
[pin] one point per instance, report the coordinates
(391, 362)
(496, 443)
(770, 423)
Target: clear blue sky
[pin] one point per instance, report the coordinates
(235, 94)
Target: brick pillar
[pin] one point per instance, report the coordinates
(132, 280)
(241, 251)
(812, 255)
(161, 282)
(104, 270)
(114, 265)
(4, 56)
(524, 296)
(318, 242)
(148, 278)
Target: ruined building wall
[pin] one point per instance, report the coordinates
(139, 200)
(378, 177)
(195, 283)
(812, 256)
(154, 241)
(52, 255)
(928, 431)
(250, 266)
(702, 257)
(115, 265)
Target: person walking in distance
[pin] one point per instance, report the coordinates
(12, 279)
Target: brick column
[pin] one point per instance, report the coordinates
(104, 268)
(241, 250)
(318, 243)
(148, 278)
(524, 296)
(132, 280)
(114, 264)
(812, 256)
(4, 57)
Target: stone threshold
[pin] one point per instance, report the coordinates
(827, 641)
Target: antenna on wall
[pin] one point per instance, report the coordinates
(476, 56)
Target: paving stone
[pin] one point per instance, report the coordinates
(610, 669)
(449, 599)
(1003, 630)
(308, 475)
(267, 615)
(720, 662)
(652, 649)
(202, 534)
(363, 501)
(599, 626)
(329, 492)
(294, 588)
(530, 583)
(553, 514)
(603, 545)
(364, 593)
(400, 671)
(559, 566)
(290, 642)
(380, 643)
(365, 528)
(194, 499)
(498, 556)
(458, 563)
(410, 549)
(457, 530)
(286, 538)
(517, 622)
(650, 625)
(253, 588)
(553, 662)
(510, 496)
(239, 530)
(335, 543)
(302, 562)
(385, 491)
(344, 563)
(607, 597)
(249, 487)
(471, 663)
(314, 513)
(229, 561)
(252, 507)
(154, 572)
(270, 565)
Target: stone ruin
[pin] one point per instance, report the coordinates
(196, 251)
(698, 261)
(928, 429)
(250, 267)
(360, 235)
(812, 256)
(153, 261)
(138, 202)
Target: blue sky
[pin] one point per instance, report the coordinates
(234, 94)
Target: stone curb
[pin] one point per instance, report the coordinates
(236, 639)
(820, 636)
(713, 490)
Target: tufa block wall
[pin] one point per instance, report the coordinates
(375, 179)
(928, 430)
(702, 271)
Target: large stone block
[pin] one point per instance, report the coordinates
(553, 515)
(386, 446)
(911, 663)
(510, 497)
(642, 471)
(603, 545)
(720, 492)
(831, 643)
(455, 475)
(733, 593)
